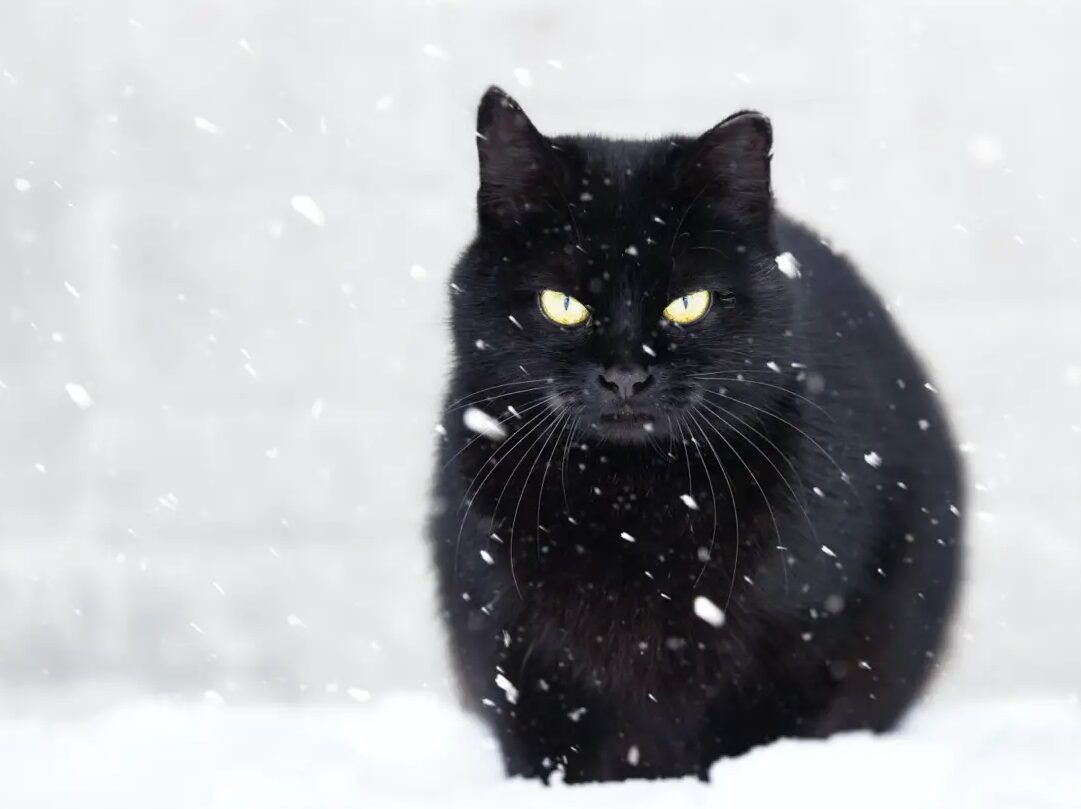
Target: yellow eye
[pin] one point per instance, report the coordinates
(688, 308)
(561, 308)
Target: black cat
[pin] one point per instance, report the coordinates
(695, 492)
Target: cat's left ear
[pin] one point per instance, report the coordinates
(732, 163)
(517, 164)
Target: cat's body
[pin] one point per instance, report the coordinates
(749, 530)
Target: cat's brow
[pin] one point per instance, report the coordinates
(563, 278)
(689, 276)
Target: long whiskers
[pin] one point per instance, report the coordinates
(717, 409)
(518, 413)
(713, 501)
(507, 447)
(735, 512)
(771, 414)
(491, 396)
(686, 455)
(544, 476)
(795, 498)
(563, 465)
(789, 391)
(525, 485)
(461, 399)
(754, 478)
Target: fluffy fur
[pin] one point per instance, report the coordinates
(784, 458)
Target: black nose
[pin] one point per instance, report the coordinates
(625, 380)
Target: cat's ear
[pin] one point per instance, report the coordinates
(730, 162)
(517, 163)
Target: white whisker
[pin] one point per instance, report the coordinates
(819, 447)
(735, 511)
(508, 445)
(497, 387)
(800, 396)
(525, 485)
(754, 478)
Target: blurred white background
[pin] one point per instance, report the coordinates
(232, 499)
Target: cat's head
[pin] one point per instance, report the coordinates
(616, 280)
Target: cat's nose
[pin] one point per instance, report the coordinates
(626, 380)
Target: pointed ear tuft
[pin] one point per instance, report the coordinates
(496, 106)
(733, 158)
(516, 171)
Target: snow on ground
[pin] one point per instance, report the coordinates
(166, 755)
(415, 751)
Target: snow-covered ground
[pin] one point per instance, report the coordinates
(225, 232)
(415, 752)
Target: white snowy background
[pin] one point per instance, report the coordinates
(225, 234)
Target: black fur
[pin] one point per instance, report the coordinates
(569, 558)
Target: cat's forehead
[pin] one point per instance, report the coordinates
(621, 196)
(611, 234)
(618, 190)
(607, 170)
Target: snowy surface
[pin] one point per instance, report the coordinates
(416, 751)
(225, 233)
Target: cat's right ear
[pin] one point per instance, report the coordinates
(516, 162)
(732, 162)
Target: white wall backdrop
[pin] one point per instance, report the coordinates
(233, 498)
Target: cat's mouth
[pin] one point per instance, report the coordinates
(628, 417)
(626, 424)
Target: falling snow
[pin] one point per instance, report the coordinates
(507, 687)
(478, 421)
(206, 126)
(433, 51)
(77, 393)
(708, 611)
(306, 207)
(787, 264)
(985, 149)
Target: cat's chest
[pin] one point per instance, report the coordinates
(607, 550)
(602, 515)
(584, 496)
(649, 528)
